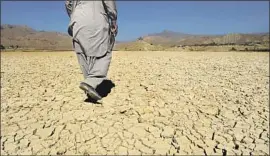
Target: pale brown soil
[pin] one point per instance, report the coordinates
(163, 102)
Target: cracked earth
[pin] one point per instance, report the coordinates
(162, 103)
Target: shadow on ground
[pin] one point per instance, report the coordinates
(103, 90)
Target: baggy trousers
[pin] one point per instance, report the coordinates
(94, 69)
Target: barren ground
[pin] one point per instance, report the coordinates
(163, 102)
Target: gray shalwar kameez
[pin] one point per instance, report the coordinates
(92, 38)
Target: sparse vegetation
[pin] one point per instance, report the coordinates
(10, 26)
(2, 47)
(140, 38)
(233, 49)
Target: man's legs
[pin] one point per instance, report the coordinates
(99, 70)
(94, 71)
(82, 60)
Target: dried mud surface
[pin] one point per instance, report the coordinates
(162, 103)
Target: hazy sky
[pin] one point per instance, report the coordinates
(138, 18)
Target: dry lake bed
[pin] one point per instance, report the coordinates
(175, 103)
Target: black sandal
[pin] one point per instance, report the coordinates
(90, 91)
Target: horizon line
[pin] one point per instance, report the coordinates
(150, 34)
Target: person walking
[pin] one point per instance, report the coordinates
(93, 28)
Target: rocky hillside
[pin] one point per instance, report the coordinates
(174, 38)
(24, 37)
(169, 40)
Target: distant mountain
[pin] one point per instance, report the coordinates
(165, 37)
(170, 34)
(170, 38)
(24, 37)
(28, 38)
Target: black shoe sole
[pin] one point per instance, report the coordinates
(90, 91)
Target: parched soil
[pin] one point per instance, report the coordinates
(182, 103)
